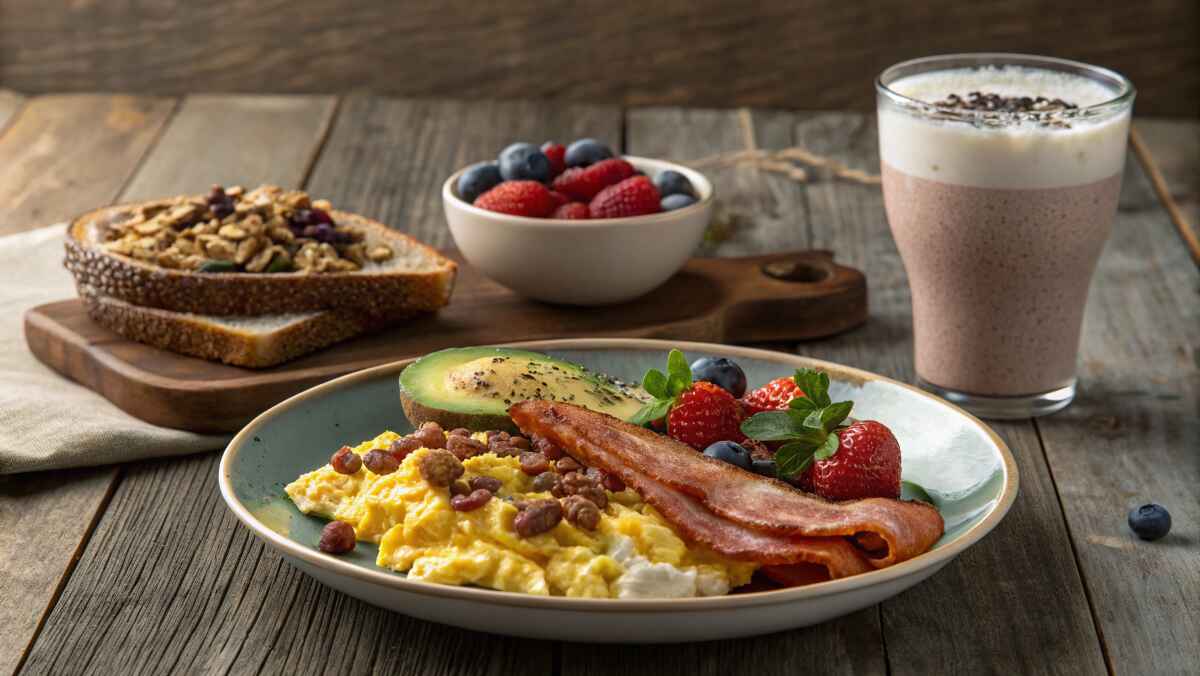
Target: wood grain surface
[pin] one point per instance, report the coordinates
(1131, 437)
(169, 583)
(61, 155)
(806, 54)
(1168, 150)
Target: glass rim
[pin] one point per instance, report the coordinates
(1124, 95)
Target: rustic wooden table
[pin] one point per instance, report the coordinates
(140, 568)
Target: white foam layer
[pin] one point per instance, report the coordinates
(1021, 156)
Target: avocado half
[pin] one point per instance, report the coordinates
(473, 387)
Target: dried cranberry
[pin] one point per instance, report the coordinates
(459, 432)
(533, 463)
(464, 447)
(567, 464)
(613, 483)
(546, 447)
(581, 512)
(321, 217)
(381, 462)
(546, 481)
(431, 435)
(403, 446)
(472, 501)
(487, 483)
(345, 461)
(337, 537)
(537, 516)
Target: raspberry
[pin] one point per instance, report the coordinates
(705, 414)
(572, 211)
(634, 196)
(584, 183)
(518, 198)
(559, 198)
(774, 396)
(556, 153)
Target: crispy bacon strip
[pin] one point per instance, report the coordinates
(761, 505)
(835, 556)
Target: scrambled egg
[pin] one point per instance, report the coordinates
(633, 553)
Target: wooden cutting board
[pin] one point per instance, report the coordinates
(786, 296)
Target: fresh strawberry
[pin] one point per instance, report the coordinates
(827, 457)
(518, 198)
(634, 196)
(559, 198)
(774, 396)
(698, 414)
(704, 414)
(572, 211)
(556, 153)
(584, 183)
(866, 464)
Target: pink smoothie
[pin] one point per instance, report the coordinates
(999, 278)
(1000, 197)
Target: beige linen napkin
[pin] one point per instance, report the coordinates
(46, 420)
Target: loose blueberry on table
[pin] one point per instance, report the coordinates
(1150, 522)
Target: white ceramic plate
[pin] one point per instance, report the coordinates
(961, 462)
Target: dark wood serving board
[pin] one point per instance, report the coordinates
(786, 296)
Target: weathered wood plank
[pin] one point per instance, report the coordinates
(1172, 149)
(1131, 437)
(64, 154)
(44, 517)
(234, 140)
(57, 507)
(167, 542)
(807, 54)
(10, 103)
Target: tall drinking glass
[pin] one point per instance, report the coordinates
(1000, 176)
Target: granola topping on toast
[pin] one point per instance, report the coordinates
(267, 229)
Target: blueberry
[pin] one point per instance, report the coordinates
(676, 201)
(524, 162)
(728, 451)
(765, 467)
(671, 182)
(586, 151)
(1150, 522)
(722, 372)
(477, 180)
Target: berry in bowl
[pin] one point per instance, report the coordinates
(577, 224)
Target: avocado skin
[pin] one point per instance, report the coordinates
(424, 399)
(418, 414)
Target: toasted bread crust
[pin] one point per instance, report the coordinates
(191, 335)
(382, 295)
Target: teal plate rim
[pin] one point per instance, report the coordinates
(934, 558)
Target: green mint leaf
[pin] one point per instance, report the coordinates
(652, 411)
(679, 374)
(792, 459)
(815, 385)
(655, 384)
(910, 490)
(802, 404)
(827, 447)
(833, 414)
(813, 419)
(770, 426)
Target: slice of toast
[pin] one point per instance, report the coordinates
(252, 342)
(415, 279)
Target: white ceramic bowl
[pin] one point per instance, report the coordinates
(585, 262)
